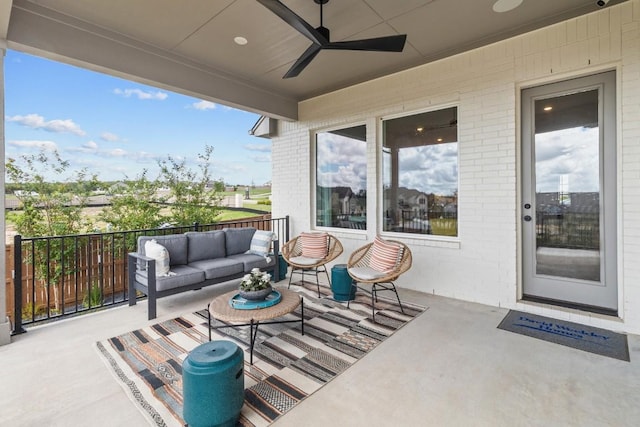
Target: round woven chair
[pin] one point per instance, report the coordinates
(293, 254)
(361, 271)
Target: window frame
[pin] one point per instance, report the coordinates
(314, 174)
(380, 175)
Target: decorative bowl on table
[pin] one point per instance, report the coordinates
(256, 285)
(256, 295)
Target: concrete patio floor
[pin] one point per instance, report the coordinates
(449, 367)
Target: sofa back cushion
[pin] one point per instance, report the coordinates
(261, 243)
(176, 245)
(205, 245)
(238, 240)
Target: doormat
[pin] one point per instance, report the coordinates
(586, 338)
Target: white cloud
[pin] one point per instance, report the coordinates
(204, 105)
(118, 152)
(569, 155)
(342, 162)
(36, 121)
(91, 145)
(430, 168)
(145, 157)
(108, 136)
(265, 148)
(40, 145)
(141, 94)
(261, 159)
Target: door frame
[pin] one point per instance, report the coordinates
(520, 87)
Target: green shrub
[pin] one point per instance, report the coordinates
(93, 298)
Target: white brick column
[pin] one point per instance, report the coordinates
(5, 326)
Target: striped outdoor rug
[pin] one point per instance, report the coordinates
(287, 366)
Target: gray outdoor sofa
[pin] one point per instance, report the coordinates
(198, 259)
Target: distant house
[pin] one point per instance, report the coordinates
(556, 203)
(21, 194)
(410, 203)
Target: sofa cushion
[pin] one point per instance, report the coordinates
(159, 253)
(176, 244)
(205, 245)
(219, 267)
(238, 240)
(184, 276)
(261, 243)
(250, 261)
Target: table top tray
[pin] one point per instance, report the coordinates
(240, 303)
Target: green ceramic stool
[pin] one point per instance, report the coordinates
(342, 284)
(213, 385)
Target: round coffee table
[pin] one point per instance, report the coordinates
(220, 309)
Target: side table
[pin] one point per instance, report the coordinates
(220, 309)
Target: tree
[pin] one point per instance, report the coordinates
(50, 209)
(135, 204)
(192, 197)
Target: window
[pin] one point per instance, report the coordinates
(341, 178)
(420, 173)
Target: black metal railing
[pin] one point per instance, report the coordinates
(62, 276)
(568, 230)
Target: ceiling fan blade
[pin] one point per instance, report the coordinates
(380, 44)
(303, 61)
(295, 21)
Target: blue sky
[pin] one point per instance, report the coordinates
(117, 128)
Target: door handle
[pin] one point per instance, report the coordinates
(527, 218)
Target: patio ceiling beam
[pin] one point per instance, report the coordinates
(38, 30)
(5, 12)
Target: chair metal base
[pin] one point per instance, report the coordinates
(379, 287)
(310, 271)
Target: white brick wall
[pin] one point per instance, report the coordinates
(482, 265)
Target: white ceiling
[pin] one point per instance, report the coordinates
(187, 45)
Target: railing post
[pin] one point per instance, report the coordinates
(17, 285)
(196, 226)
(286, 228)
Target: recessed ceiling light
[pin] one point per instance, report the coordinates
(506, 5)
(439, 140)
(420, 129)
(240, 40)
(548, 108)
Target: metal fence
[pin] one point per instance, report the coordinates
(568, 230)
(62, 276)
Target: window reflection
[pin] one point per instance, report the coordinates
(420, 173)
(341, 178)
(567, 180)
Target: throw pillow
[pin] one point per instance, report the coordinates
(314, 245)
(384, 255)
(261, 243)
(159, 253)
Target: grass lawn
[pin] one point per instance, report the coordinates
(444, 226)
(92, 212)
(228, 215)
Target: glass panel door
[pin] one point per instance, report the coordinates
(569, 227)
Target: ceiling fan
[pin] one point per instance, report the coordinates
(320, 37)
